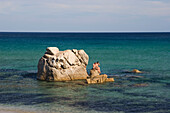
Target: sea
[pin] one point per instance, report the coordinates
(118, 54)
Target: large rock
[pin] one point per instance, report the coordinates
(65, 65)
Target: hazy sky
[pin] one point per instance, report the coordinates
(85, 15)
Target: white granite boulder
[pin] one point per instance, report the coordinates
(65, 65)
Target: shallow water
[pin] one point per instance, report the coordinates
(117, 53)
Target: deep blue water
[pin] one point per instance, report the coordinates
(116, 52)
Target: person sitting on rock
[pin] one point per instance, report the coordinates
(96, 66)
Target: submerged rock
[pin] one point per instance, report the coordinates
(133, 76)
(136, 71)
(65, 65)
(133, 71)
(139, 85)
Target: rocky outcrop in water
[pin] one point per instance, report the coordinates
(65, 65)
(96, 78)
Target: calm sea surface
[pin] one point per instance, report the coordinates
(116, 52)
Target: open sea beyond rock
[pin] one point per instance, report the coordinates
(117, 53)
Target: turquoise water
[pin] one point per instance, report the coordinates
(117, 53)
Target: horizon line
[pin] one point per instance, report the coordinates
(85, 31)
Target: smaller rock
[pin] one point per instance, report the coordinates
(133, 71)
(96, 78)
(136, 71)
(93, 73)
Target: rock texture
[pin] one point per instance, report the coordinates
(65, 65)
(96, 78)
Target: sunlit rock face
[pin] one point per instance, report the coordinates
(65, 65)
